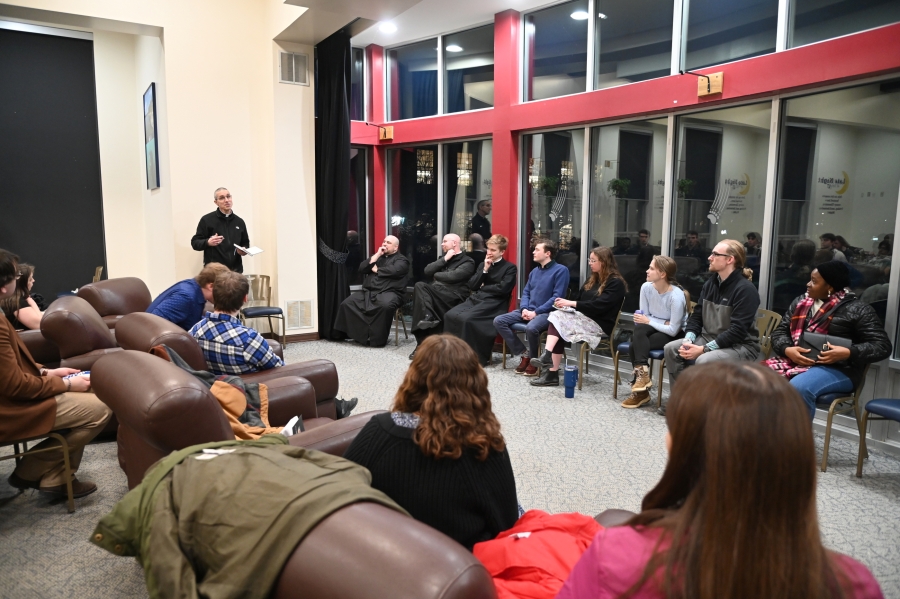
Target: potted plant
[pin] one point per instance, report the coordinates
(618, 187)
(685, 187)
(547, 185)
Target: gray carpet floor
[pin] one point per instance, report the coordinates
(569, 455)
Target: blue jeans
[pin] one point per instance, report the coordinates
(819, 380)
(536, 326)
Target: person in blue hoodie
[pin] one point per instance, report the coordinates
(545, 283)
(183, 303)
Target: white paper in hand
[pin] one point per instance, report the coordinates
(250, 251)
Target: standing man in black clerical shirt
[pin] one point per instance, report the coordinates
(218, 231)
(366, 317)
(449, 288)
(480, 224)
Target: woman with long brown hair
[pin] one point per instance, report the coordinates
(734, 514)
(439, 452)
(20, 309)
(592, 313)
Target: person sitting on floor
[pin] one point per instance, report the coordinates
(35, 401)
(366, 316)
(545, 284)
(590, 315)
(20, 309)
(439, 452)
(663, 307)
(734, 514)
(723, 324)
(491, 285)
(228, 346)
(183, 303)
(449, 288)
(828, 308)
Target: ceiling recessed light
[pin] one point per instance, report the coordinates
(387, 27)
(601, 15)
(579, 15)
(454, 48)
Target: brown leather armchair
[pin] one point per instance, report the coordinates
(42, 349)
(141, 331)
(78, 332)
(114, 298)
(162, 408)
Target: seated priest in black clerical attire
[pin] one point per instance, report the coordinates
(449, 287)
(492, 284)
(366, 316)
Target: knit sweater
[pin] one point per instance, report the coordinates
(466, 499)
(662, 307)
(545, 284)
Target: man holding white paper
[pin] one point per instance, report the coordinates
(219, 231)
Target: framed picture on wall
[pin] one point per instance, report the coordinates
(151, 137)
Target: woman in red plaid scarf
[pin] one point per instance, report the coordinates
(828, 307)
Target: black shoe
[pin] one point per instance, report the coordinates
(545, 361)
(550, 378)
(661, 410)
(79, 489)
(413, 354)
(343, 407)
(21, 484)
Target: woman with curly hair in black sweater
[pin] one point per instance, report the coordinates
(439, 452)
(827, 308)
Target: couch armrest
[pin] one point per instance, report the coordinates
(86, 361)
(321, 373)
(335, 437)
(42, 349)
(290, 396)
(276, 348)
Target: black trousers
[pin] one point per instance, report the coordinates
(646, 338)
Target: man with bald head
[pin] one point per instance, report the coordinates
(448, 288)
(366, 316)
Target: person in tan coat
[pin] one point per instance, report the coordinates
(35, 401)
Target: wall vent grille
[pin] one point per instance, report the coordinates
(294, 68)
(299, 314)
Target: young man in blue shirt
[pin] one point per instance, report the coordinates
(183, 303)
(545, 283)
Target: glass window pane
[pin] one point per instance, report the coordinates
(815, 20)
(724, 31)
(358, 230)
(556, 50)
(412, 77)
(357, 81)
(628, 169)
(469, 65)
(467, 194)
(839, 174)
(554, 173)
(413, 205)
(720, 183)
(633, 41)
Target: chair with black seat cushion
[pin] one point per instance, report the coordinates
(766, 322)
(842, 403)
(877, 409)
(259, 300)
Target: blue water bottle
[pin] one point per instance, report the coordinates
(570, 379)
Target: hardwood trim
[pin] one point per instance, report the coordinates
(301, 337)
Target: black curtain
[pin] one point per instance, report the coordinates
(332, 175)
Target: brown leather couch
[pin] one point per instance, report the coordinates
(141, 331)
(42, 349)
(114, 298)
(77, 331)
(162, 408)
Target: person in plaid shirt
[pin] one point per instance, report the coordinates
(228, 345)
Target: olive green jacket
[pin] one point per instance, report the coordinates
(223, 525)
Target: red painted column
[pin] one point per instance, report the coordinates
(505, 168)
(375, 58)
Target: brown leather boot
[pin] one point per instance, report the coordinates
(642, 380)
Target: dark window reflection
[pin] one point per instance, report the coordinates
(814, 20)
(469, 64)
(413, 205)
(357, 81)
(412, 85)
(358, 235)
(467, 195)
(556, 50)
(725, 31)
(633, 41)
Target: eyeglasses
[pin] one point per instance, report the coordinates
(718, 255)
(220, 198)
(593, 261)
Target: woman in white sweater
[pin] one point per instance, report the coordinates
(663, 314)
